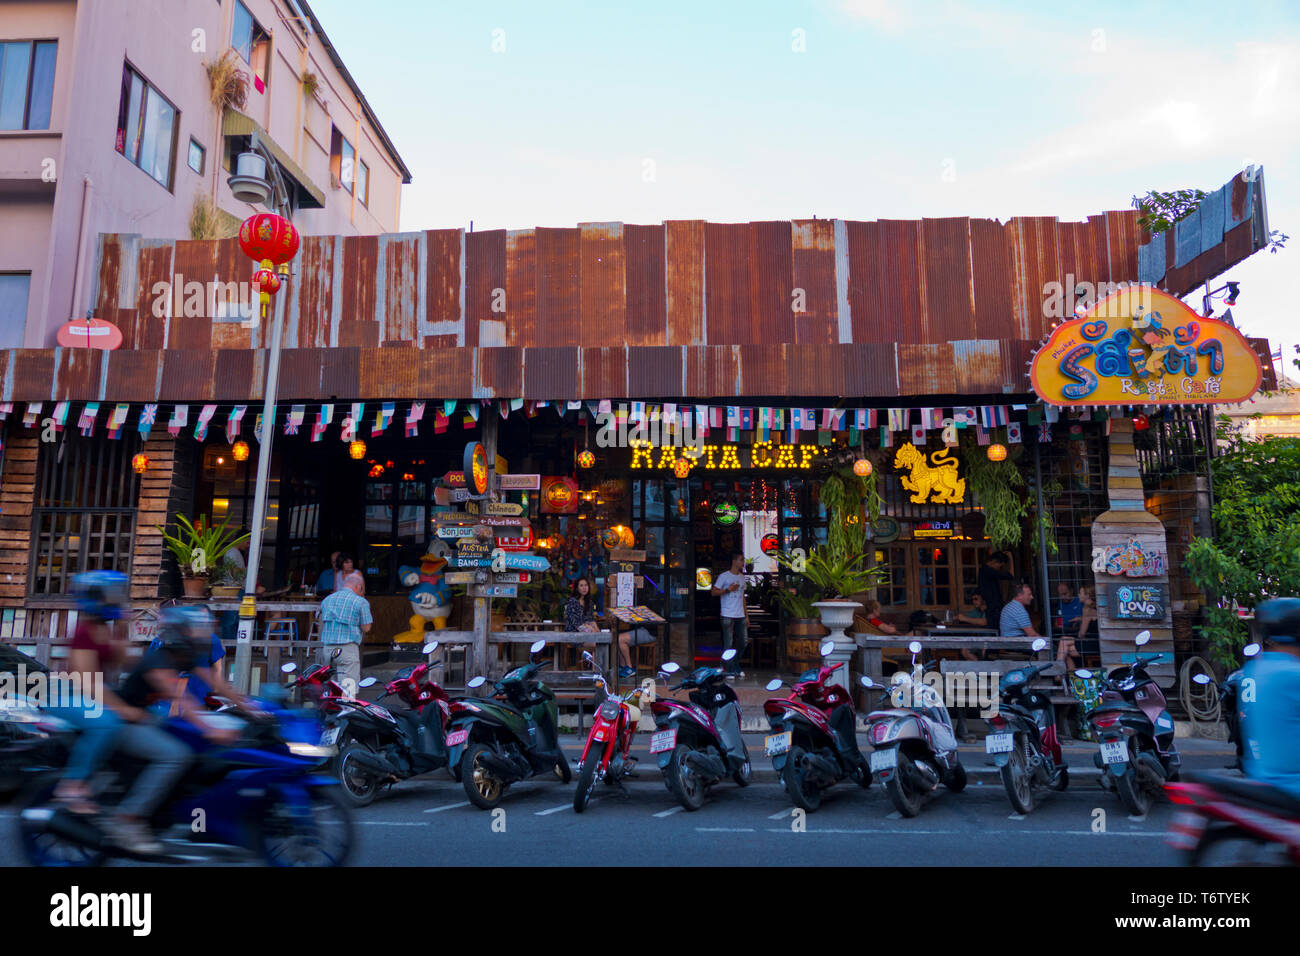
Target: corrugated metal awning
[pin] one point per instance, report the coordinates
(235, 123)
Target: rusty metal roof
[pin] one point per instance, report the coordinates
(680, 309)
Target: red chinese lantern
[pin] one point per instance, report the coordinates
(997, 452)
(268, 236)
(140, 463)
(586, 459)
(682, 468)
(1141, 423)
(267, 282)
(239, 450)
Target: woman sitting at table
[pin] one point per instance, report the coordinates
(977, 616)
(1088, 640)
(580, 609)
(869, 621)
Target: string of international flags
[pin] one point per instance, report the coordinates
(765, 421)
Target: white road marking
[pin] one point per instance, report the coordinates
(909, 832)
(894, 816)
(783, 815)
(544, 813)
(450, 806)
(724, 829)
(669, 812)
(390, 823)
(1016, 816)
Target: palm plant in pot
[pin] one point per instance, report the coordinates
(823, 582)
(199, 550)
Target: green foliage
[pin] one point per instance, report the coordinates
(213, 542)
(997, 486)
(871, 487)
(1255, 553)
(842, 495)
(824, 576)
(546, 594)
(1044, 523)
(1157, 211)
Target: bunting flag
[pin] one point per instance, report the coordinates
(60, 415)
(205, 416)
(504, 408)
(6, 409)
(180, 418)
(414, 415)
(148, 418)
(936, 418)
(516, 404)
(899, 419)
(981, 436)
(530, 408)
(257, 424)
(87, 423)
(448, 407)
(1044, 433)
(234, 421)
(823, 436)
(991, 416)
(839, 418)
(733, 416)
(471, 414)
(603, 407)
(1052, 413)
(357, 415)
(1036, 415)
(293, 422)
(949, 432)
(440, 421)
(32, 413)
(383, 418)
(886, 437)
(571, 406)
(778, 418)
(733, 434)
(117, 420)
(323, 419)
(746, 419)
(964, 417)
(717, 417)
(918, 435)
(1013, 433)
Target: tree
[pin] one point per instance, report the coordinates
(1255, 553)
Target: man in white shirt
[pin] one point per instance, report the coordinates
(730, 587)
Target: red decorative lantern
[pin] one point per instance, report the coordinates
(140, 463)
(239, 450)
(1141, 423)
(268, 236)
(682, 468)
(862, 467)
(586, 459)
(997, 452)
(266, 281)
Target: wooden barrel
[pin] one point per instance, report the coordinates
(803, 639)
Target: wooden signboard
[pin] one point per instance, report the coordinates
(1138, 602)
(504, 508)
(454, 531)
(626, 555)
(501, 521)
(494, 591)
(473, 548)
(461, 577)
(519, 482)
(520, 562)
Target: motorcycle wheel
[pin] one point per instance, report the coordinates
(483, 789)
(326, 840)
(956, 781)
(806, 796)
(743, 775)
(586, 782)
(683, 782)
(1135, 797)
(45, 848)
(1228, 846)
(1015, 777)
(1063, 781)
(359, 788)
(902, 794)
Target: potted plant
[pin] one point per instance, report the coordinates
(824, 582)
(225, 581)
(199, 550)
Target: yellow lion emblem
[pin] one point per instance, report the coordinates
(939, 480)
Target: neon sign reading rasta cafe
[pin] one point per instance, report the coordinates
(762, 454)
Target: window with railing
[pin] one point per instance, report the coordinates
(83, 516)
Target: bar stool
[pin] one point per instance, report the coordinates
(281, 628)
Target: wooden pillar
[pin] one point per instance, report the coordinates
(166, 488)
(17, 491)
(1128, 525)
(482, 605)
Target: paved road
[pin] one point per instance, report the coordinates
(427, 822)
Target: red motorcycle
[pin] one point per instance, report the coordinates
(606, 754)
(1226, 820)
(814, 740)
(317, 684)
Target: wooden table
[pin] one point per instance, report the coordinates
(873, 644)
(302, 606)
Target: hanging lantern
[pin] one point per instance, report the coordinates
(682, 468)
(357, 449)
(267, 282)
(586, 458)
(239, 450)
(267, 236)
(862, 467)
(626, 536)
(609, 538)
(140, 463)
(997, 452)
(1141, 423)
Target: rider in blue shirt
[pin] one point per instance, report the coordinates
(1270, 699)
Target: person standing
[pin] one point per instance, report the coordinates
(730, 587)
(345, 618)
(992, 573)
(1014, 619)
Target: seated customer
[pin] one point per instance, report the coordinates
(1069, 608)
(1014, 620)
(977, 614)
(868, 620)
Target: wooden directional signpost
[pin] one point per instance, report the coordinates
(452, 532)
(505, 561)
(519, 482)
(504, 508)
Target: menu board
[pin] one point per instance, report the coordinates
(640, 614)
(1138, 602)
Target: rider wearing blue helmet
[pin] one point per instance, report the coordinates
(1270, 698)
(204, 677)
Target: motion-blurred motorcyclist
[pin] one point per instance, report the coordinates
(1270, 698)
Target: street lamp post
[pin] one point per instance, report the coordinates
(252, 185)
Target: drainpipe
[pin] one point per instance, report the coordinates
(87, 192)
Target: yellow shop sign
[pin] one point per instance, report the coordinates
(1141, 346)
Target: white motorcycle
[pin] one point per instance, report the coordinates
(915, 747)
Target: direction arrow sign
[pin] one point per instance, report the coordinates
(504, 508)
(498, 521)
(472, 548)
(495, 591)
(456, 531)
(520, 562)
(454, 517)
(625, 554)
(454, 479)
(513, 577)
(519, 482)
(461, 577)
(459, 562)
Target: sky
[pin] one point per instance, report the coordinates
(521, 114)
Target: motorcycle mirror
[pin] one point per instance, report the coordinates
(729, 654)
(430, 647)
(1250, 650)
(368, 682)
(1086, 675)
(774, 684)
(866, 681)
(475, 682)
(1202, 679)
(289, 668)
(670, 668)
(1142, 638)
(586, 656)
(914, 647)
(827, 648)
(1038, 645)
(537, 647)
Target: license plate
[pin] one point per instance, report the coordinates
(664, 740)
(886, 759)
(330, 737)
(457, 737)
(1114, 751)
(999, 743)
(774, 744)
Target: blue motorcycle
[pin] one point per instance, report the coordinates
(269, 794)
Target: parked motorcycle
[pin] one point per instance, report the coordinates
(378, 746)
(1226, 820)
(317, 683)
(814, 744)
(699, 743)
(1022, 737)
(266, 795)
(1137, 754)
(915, 747)
(606, 755)
(499, 742)
(1229, 701)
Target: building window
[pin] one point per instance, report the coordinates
(363, 184)
(197, 156)
(14, 289)
(146, 127)
(84, 514)
(26, 83)
(253, 43)
(343, 160)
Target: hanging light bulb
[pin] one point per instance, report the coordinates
(140, 463)
(239, 450)
(357, 449)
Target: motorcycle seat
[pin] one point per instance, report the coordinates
(1255, 792)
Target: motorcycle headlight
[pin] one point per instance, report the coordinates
(312, 751)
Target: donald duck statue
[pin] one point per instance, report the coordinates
(430, 597)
